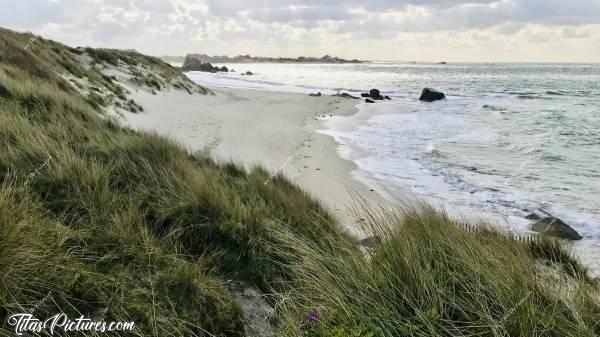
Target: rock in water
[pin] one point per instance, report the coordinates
(376, 94)
(368, 100)
(555, 227)
(249, 73)
(318, 94)
(430, 95)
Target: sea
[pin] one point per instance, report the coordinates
(510, 139)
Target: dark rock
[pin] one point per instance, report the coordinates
(430, 95)
(371, 242)
(387, 97)
(346, 95)
(192, 64)
(318, 94)
(232, 70)
(249, 73)
(368, 100)
(533, 216)
(552, 226)
(376, 94)
(224, 69)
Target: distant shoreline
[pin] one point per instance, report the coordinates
(261, 59)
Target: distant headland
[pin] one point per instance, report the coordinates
(258, 59)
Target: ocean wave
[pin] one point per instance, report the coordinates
(552, 157)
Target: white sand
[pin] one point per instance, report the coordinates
(275, 130)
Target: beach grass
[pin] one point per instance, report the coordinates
(433, 276)
(115, 224)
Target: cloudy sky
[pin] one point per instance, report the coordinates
(427, 30)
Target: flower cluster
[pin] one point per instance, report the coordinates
(309, 320)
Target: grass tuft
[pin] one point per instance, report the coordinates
(433, 277)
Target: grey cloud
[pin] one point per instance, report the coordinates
(112, 22)
(232, 7)
(444, 14)
(287, 14)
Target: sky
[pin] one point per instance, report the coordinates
(392, 30)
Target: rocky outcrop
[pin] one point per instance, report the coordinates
(374, 94)
(318, 94)
(431, 95)
(346, 95)
(248, 73)
(555, 227)
(192, 64)
(368, 100)
(254, 59)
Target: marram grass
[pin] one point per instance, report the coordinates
(432, 277)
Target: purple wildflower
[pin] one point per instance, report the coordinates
(313, 316)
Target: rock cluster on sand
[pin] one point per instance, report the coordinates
(430, 95)
(192, 64)
(552, 226)
(346, 95)
(374, 94)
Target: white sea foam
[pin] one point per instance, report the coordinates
(485, 151)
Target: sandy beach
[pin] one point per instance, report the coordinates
(277, 130)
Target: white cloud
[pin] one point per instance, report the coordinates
(378, 29)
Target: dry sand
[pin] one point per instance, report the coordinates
(276, 130)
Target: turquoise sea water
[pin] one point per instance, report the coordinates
(510, 139)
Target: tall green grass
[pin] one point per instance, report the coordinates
(433, 277)
(116, 224)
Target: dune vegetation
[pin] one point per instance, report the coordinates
(99, 220)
